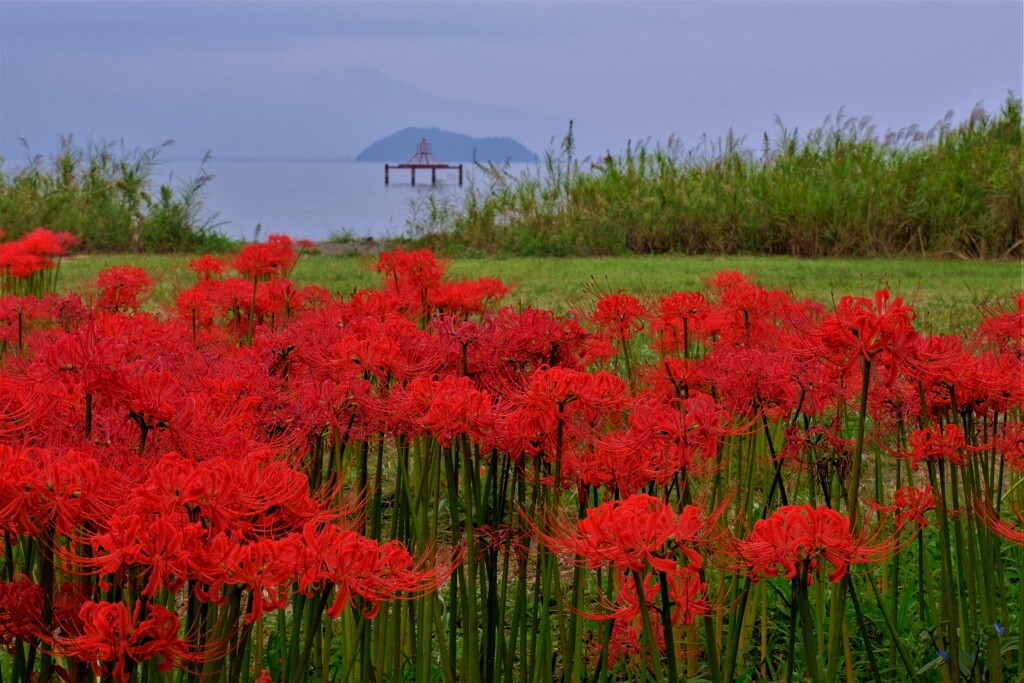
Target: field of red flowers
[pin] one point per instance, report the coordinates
(270, 483)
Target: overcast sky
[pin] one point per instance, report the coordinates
(325, 79)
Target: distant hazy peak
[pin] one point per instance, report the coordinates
(447, 147)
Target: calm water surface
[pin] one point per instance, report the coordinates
(312, 200)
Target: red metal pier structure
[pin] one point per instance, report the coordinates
(422, 159)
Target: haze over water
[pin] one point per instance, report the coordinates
(312, 200)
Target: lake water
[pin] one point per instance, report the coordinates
(312, 200)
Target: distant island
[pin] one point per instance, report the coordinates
(448, 147)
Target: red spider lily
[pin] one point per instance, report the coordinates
(196, 304)
(20, 316)
(1003, 330)
(909, 505)
(679, 320)
(410, 275)
(21, 611)
(231, 295)
(938, 442)
(122, 288)
(591, 394)
(499, 539)
(254, 496)
(85, 353)
(824, 438)
(989, 383)
(446, 407)
(48, 243)
(1010, 445)
(820, 389)
(42, 490)
(619, 315)
(687, 593)
(468, 296)
(206, 266)
(386, 348)
(279, 296)
(532, 338)
(579, 401)
(656, 446)
(936, 359)
(627, 628)
(273, 297)
(880, 332)
(115, 641)
(266, 567)
(154, 398)
(274, 257)
(673, 378)
(746, 314)
(751, 382)
(358, 566)
(468, 345)
(706, 423)
(898, 404)
(33, 252)
(632, 533)
(800, 537)
(158, 546)
(997, 524)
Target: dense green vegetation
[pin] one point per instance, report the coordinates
(840, 190)
(107, 201)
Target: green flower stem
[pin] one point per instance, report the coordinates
(838, 613)
(862, 625)
(732, 643)
(806, 625)
(650, 647)
(575, 637)
(312, 630)
(949, 603)
(46, 583)
(666, 621)
(471, 628)
(791, 641)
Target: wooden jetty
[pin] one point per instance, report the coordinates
(425, 160)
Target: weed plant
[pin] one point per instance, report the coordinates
(107, 201)
(840, 190)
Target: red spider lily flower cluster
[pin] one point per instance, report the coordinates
(800, 539)
(33, 252)
(879, 331)
(274, 257)
(620, 316)
(938, 442)
(217, 456)
(631, 534)
(910, 504)
(647, 543)
(114, 641)
(123, 288)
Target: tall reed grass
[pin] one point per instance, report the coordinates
(107, 200)
(840, 190)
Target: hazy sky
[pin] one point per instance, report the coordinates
(325, 79)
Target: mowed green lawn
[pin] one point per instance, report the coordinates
(946, 293)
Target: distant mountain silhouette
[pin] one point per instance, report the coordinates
(447, 147)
